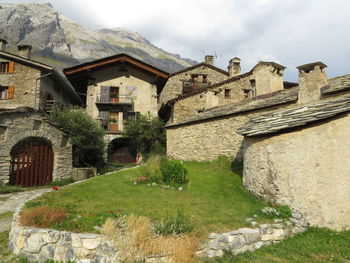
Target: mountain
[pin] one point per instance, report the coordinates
(59, 41)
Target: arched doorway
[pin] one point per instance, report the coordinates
(31, 162)
(120, 151)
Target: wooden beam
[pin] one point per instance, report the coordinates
(120, 59)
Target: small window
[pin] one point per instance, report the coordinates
(227, 93)
(4, 67)
(7, 67)
(6, 93)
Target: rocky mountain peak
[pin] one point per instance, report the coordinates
(60, 41)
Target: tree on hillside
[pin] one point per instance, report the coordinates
(86, 135)
(146, 134)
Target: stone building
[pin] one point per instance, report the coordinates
(33, 151)
(115, 89)
(25, 82)
(203, 122)
(296, 156)
(188, 80)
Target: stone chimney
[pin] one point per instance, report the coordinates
(25, 51)
(3, 43)
(311, 78)
(209, 59)
(234, 67)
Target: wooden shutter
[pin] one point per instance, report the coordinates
(11, 67)
(11, 92)
(105, 93)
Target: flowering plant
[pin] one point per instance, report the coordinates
(54, 187)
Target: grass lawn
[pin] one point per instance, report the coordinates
(214, 199)
(314, 245)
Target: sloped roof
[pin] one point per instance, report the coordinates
(96, 64)
(337, 84)
(278, 98)
(199, 65)
(284, 120)
(224, 82)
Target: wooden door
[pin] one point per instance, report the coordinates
(31, 163)
(114, 94)
(113, 122)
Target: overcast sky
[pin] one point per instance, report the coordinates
(290, 32)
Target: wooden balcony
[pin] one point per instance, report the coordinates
(119, 101)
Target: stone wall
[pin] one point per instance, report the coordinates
(38, 244)
(23, 79)
(249, 239)
(304, 169)
(209, 139)
(191, 106)
(22, 124)
(173, 87)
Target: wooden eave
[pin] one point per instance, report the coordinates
(114, 60)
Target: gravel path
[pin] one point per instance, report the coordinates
(9, 203)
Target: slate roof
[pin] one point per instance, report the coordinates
(199, 65)
(226, 81)
(283, 120)
(337, 84)
(278, 98)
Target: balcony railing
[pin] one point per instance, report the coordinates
(116, 99)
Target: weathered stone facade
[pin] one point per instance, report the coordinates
(173, 87)
(22, 123)
(212, 133)
(304, 169)
(32, 84)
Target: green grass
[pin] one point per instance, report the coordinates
(314, 245)
(5, 215)
(5, 189)
(214, 199)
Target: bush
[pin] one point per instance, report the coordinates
(86, 135)
(43, 216)
(146, 134)
(173, 171)
(174, 225)
(151, 169)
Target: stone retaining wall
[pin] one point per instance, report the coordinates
(41, 244)
(250, 239)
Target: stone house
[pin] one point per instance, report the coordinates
(203, 122)
(25, 82)
(33, 151)
(115, 89)
(296, 156)
(188, 80)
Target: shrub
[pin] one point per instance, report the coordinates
(173, 171)
(146, 134)
(86, 135)
(174, 225)
(43, 216)
(151, 169)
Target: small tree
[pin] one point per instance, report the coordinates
(146, 134)
(86, 135)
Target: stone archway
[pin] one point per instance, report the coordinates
(120, 151)
(31, 162)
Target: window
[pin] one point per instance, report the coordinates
(227, 93)
(7, 67)
(253, 85)
(6, 93)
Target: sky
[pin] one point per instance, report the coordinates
(289, 32)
